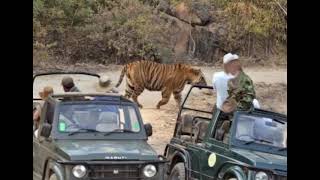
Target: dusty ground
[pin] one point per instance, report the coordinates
(271, 88)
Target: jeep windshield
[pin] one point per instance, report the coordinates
(261, 130)
(97, 118)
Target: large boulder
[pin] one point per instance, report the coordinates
(206, 44)
(195, 13)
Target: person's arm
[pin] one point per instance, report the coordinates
(246, 93)
(36, 116)
(229, 106)
(37, 112)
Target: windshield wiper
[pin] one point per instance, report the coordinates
(260, 140)
(283, 149)
(118, 130)
(82, 130)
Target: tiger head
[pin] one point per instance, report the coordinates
(196, 77)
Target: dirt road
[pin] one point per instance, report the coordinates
(270, 84)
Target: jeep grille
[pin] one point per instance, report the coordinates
(114, 171)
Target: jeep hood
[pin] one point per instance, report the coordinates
(85, 150)
(263, 160)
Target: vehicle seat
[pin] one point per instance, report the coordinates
(108, 121)
(201, 129)
(186, 127)
(224, 129)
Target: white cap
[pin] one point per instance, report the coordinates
(229, 57)
(104, 81)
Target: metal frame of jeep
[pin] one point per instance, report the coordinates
(62, 73)
(61, 167)
(176, 152)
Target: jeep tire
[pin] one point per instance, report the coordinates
(53, 177)
(178, 172)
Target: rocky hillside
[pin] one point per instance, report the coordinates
(112, 31)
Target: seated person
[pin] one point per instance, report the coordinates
(68, 85)
(108, 121)
(96, 119)
(106, 85)
(46, 92)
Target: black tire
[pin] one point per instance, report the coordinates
(178, 172)
(53, 177)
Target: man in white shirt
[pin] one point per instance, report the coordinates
(220, 85)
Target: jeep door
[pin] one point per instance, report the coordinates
(202, 114)
(36, 165)
(215, 151)
(41, 146)
(212, 152)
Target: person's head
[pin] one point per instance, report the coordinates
(46, 92)
(106, 85)
(231, 64)
(67, 83)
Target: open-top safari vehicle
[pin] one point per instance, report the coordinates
(96, 136)
(208, 144)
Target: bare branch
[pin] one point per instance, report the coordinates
(281, 7)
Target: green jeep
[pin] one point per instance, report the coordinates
(96, 136)
(238, 146)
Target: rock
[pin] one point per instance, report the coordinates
(206, 44)
(202, 12)
(196, 13)
(164, 6)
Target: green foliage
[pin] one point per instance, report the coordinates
(130, 30)
(119, 30)
(64, 12)
(260, 17)
(73, 29)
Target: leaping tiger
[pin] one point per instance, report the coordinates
(167, 78)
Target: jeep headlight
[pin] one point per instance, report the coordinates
(261, 176)
(79, 171)
(149, 171)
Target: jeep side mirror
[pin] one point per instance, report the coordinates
(46, 130)
(148, 129)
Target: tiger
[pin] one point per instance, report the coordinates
(167, 78)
